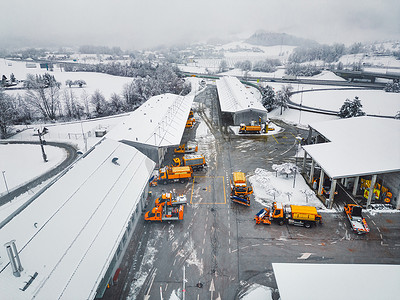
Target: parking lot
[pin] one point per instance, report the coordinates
(218, 249)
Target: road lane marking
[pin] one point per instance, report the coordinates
(204, 241)
(279, 244)
(255, 245)
(373, 222)
(234, 250)
(202, 251)
(275, 139)
(382, 244)
(267, 244)
(166, 286)
(174, 262)
(170, 273)
(244, 247)
(295, 244)
(307, 244)
(378, 229)
(305, 256)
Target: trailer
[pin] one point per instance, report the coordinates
(357, 221)
(295, 215)
(196, 161)
(165, 213)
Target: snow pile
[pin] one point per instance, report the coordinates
(256, 292)
(269, 188)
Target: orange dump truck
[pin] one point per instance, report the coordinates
(186, 148)
(174, 174)
(196, 161)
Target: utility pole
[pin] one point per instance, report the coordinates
(44, 131)
(5, 182)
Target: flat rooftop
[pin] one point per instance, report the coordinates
(70, 233)
(160, 121)
(358, 146)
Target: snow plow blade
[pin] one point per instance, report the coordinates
(239, 200)
(262, 217)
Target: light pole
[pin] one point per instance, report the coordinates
(44, 131)
(5, 182)
(301, 103)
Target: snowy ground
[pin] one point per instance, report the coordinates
(106, 84)
(26, 163)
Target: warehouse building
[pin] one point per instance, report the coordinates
(238, 103)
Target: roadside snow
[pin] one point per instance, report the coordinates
(22, 163)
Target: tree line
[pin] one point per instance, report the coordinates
(44, 98)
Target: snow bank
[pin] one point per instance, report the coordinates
(257, 292)
(269, 188)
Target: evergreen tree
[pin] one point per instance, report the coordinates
(351, 109)
(268, 98)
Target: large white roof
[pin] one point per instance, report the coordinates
(70, 233)
(358, 146)
(160, 121)
(235, 97)
(305, 281)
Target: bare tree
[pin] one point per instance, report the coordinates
(8, 113)
(43, 94)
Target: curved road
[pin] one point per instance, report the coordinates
(71, 156)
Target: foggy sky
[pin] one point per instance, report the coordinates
(133, 24)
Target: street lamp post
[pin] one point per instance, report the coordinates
(44, 131)
(5, 182)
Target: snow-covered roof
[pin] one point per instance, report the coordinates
(160, 121)
(336, 281)
(71, 232)
(358, 146)
(235, 97)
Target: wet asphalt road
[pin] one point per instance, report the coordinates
(218, 243)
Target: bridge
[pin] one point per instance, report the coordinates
(367, 76)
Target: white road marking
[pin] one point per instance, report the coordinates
(205, 227)
(334, 242)
(174, 262)
(305, 256)
(234, 250)
(381, 236)
(279, 244)
(204, 241)
(296, 244)
(202, 251)
(373, 222)
(267, 244)
(170, 273)
(378, 229)
(255, 245)
(166, 286)
(397, 245)
(382, 244)
(307, 244)
(229, 240)
(244, 247)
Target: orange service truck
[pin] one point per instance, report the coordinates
(295, 215)
(165, 213)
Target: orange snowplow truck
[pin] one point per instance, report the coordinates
(295, 215)
(174, 174)
(240, 191)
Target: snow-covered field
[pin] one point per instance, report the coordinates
(106, 84)
(373, 101)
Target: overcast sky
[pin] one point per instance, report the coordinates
(133, 24)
